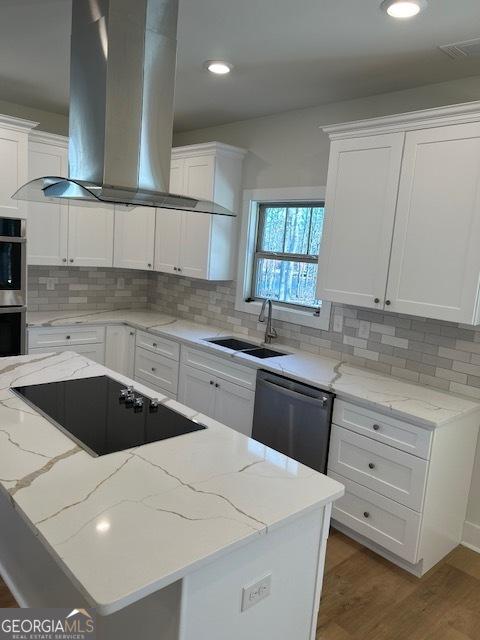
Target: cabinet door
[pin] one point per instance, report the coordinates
(90, 236)
(13, 171)
(195, 245)
(435, 264)
(197, 390)
(199, 177)
(177, 175)
(120, 350)
(234, 406)
(134, 238)
(168, 235)
(47, 228)
(362, 186)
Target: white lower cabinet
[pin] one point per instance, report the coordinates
(120, 349)
(407, 486)
(209, 392)
(389, 524)
(95, 352)
(157, 370)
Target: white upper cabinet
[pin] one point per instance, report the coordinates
(90, 236)
(402, 222)
(435, 264)
(134, 237)
(200, 245)
(13, 164)
(361, 196)
(47, 227)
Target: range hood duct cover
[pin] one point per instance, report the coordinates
(122, 80)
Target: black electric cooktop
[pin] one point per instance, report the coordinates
(104, 416)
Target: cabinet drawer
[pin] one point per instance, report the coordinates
(386, 429)
(64, 336)
(389, 524)
(95, 352)
(154, 387)
(157, 370)
(162, 346)
(393, 473)
(219, 367)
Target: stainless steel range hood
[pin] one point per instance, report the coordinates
(122, 77)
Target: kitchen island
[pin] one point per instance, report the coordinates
(207, 535)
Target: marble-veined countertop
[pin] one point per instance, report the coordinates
(425, 406)
(124, 525)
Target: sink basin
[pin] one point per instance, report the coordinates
(233, 343)
(246, 347)
(264, 352)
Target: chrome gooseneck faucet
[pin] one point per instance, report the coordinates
(270, 332)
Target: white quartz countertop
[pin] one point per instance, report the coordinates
(422, 405)
(124, 525)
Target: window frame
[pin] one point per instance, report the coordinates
(252, 198)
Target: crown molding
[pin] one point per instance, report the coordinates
(439, 116)
(208, 148)
(17, 124)
(49, 138)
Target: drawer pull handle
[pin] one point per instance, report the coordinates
(376, 427)
(371, 465)
(366, 514)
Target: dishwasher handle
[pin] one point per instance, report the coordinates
(323, 401)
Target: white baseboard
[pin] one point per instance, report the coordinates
(471, 536)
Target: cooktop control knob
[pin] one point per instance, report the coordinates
(125, 393)
(154, 405)
(138, 404)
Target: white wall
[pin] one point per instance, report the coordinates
(51, 122)
(290, 150)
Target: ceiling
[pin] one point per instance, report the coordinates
(287, 54)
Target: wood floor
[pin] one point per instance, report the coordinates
(367, 598)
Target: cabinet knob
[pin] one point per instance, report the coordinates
(388, 303)
(371, 465)
(175, 268)
(366, 514)
(149, 265)
(376, 427)
(154, 344)
(211, 382)
(71, 259)
(178, 269)
(68, 337)
(376, 300)
(64, 259)
(154, 369)
(132, 333)
(217, 385)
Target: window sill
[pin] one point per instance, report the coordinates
(294, 316)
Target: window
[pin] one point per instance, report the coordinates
(278, 253)
(286, 253)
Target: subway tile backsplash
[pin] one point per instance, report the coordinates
(438, 354)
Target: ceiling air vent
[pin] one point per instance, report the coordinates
(462, 49)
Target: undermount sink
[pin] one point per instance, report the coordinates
(246, 347)
(233, 343)
(264, 352)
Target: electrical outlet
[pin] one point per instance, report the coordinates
(120, 283)
(50, 284)
(256, 592)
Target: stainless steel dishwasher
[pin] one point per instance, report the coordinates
(293, 418)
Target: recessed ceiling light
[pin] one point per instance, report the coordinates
(403, 8)
(219, 67)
